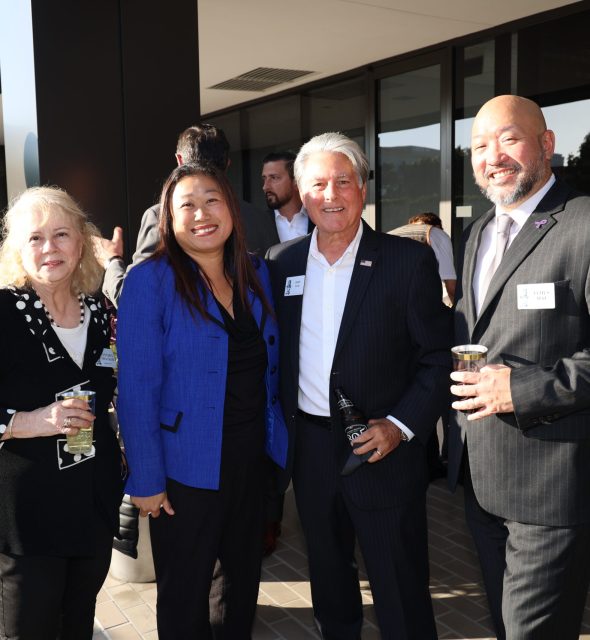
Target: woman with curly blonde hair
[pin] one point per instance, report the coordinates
(58, 507)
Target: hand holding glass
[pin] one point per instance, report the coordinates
(82, 441)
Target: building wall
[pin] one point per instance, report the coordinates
(413, 115)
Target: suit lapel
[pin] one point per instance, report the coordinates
(364, 267)
(292, 305)
(537, 225)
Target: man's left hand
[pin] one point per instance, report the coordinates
(486, 392)
(382, 435)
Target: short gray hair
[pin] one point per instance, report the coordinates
(333, 142)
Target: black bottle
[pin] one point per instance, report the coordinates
(354, 424)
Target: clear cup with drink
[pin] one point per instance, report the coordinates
(82, 441)
(469, 357)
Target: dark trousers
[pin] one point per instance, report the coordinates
(536, 577)
(393, 543)
(44, 597)
(225, 524)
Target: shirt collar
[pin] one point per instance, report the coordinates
(524, 210)
(351, 250)
(279, 215)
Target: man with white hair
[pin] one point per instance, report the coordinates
(360, 311)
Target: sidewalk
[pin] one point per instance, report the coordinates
(126, 611)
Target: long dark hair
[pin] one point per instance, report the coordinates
(191, 283)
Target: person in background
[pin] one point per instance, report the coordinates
(519, 437)
(427, 228)
(198, 407)
(59, 510)
(282, 196)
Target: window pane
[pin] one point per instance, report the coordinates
(409, 145)
(337, 107)
(272, 126)
(554, 70)
(475, 86)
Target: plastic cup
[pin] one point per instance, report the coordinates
(82, 441)
(469, 357)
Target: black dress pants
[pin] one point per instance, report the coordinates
(393, 542)
(226, 524)
(45, 597)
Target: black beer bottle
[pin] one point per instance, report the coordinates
(354, 424)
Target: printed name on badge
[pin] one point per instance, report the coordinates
(536, 296)
(294, 286)
(107, 359)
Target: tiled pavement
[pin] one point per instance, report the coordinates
(126, 611)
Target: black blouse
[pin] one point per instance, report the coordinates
(245, 391)
(49, 498)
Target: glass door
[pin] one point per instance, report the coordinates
(409, 144)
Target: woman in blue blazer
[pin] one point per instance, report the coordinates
(198, 408)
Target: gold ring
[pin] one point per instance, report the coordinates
(378, 452)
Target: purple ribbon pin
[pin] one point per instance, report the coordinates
(540, 223)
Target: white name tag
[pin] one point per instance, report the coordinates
(294, 286)
(536, 296)
(107, 359)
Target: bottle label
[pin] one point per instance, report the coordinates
(353, 431)
(343, 403)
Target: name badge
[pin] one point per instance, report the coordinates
(536, 296)
(107, 359)
(294, 286)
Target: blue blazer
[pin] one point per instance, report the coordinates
(172, 378)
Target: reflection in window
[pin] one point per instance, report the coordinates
(337, 107)
(409, 145)
(571, 160)
(475, 86)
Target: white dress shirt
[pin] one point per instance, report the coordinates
(324, 296)
(294, 228)
(487, 245)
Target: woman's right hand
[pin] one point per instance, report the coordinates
(151, 505)
(65, 417)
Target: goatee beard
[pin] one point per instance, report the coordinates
(525, 183)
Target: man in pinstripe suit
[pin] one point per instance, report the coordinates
(524, 448)
(362, 311)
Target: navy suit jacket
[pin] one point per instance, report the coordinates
(392, 355)
(172, 378)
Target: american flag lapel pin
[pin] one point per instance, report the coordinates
(366, 263)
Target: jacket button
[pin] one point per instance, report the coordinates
(274, 400)
(271, 339)
(273, 369)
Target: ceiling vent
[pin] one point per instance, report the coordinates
(260, 79)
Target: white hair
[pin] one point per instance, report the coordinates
(333, 142)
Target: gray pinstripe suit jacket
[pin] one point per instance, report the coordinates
(533, 465)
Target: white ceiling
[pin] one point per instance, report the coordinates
(330, 36)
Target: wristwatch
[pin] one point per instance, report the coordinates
(108, 262)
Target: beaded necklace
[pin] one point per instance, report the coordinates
(50, 317)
